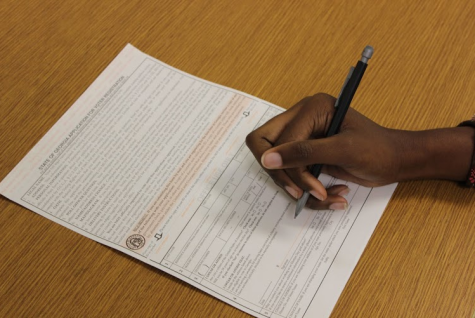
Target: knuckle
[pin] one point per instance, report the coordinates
(250, 138)
(323, 100)
(303, 150)
(290, 136)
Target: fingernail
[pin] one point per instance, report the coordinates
(292, 191)
(344, 192)
(338, 206)
(317, 195)
(272, 160)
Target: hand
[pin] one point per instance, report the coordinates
(362, 152)
(292, 141)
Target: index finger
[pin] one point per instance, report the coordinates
(265, 137)
(310, 122)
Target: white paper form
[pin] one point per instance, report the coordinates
(152, 162)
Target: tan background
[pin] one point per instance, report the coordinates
(420, 261)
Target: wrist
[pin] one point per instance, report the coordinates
(434, 154)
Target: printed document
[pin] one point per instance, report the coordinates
(152, 161)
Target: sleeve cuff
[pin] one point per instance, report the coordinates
(470, 180)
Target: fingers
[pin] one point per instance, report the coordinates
(281, 178)
(265, 137)
(308, 118)
(306, 181)
(311, 121)
(335, 199)
(294, 157)
(280, 144)
(333, 150)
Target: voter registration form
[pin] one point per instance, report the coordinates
(152, 161)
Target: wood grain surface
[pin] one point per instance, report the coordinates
(420, 261)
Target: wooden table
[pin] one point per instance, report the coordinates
(420, 261)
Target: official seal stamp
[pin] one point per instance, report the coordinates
(135, 242)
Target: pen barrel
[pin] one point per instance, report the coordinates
(316, 170)
(346, 97)
(343, 105)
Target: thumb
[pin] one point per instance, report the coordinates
(332, 151)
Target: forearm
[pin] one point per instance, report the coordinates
(435, 154)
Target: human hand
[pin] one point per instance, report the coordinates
(362, 152)
(285, 146)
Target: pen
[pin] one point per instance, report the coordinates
(341, 105)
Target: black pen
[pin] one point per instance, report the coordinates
(342, 104)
